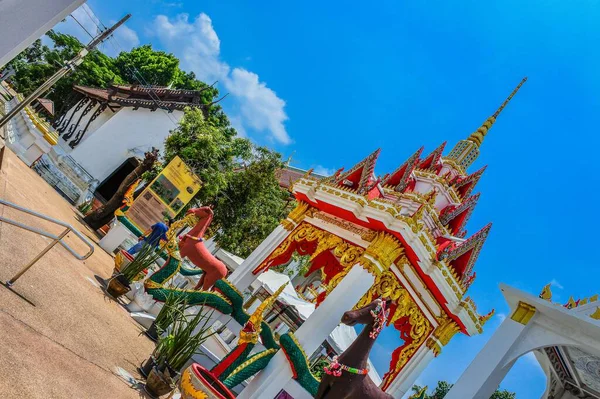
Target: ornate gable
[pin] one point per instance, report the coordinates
(462, 256)
(431, 162)
(456, 216)
(361, 177)
(464, 185)
(398, 179)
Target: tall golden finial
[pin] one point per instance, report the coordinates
(478, 135)
(465, 152)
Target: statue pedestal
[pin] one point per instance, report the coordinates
(115, 236)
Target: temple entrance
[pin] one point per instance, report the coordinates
(111, 184)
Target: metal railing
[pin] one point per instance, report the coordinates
(55, 238)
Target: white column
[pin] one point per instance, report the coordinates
(411, 371)
(312, 333)
(487, 370)
(242, 277)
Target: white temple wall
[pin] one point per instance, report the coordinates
(95, 125)
(128, 133)
(24, 21)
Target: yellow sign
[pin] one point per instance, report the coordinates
(168, 193)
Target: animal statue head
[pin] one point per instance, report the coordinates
(204, 217)
(375, 313)
(347, 375)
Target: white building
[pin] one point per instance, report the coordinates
(103, 136)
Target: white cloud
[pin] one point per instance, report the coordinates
(127, 37)
(198, 46)
(556, 284)
(323, 171)
(501, 317)
(260, 107)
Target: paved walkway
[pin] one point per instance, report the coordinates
(60, 337)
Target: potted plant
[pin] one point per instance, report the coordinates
(175, 347)
(173, 306)
(119, 283)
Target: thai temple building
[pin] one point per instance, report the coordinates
(400, 236)
(105, 134)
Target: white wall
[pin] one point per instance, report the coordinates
(24, 21)
(95, 125)
(108, 147)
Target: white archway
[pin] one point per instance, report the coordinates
(567, 340)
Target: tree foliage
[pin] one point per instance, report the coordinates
(149, 66)
(252, 204)
(238, 180)
(142, 65)
(443, 387)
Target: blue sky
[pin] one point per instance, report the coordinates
(329, 82)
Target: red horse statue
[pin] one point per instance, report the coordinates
(192, 246)
(347, 376)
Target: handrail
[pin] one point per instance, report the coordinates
(55, 238)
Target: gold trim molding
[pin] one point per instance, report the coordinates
(523, 313)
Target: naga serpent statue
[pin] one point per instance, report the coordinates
(347, 376)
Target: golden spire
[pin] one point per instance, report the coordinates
(465, 152)
(478, 135)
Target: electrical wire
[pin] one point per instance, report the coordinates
(135, 73)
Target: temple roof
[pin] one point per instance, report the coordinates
(47, 104)
(360, 178)
(289, 174)
(150, 97)
(432, 160)
(398, 179)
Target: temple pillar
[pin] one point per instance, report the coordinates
(488, 369)
(413, 369)
(269, 382)
(242, 277)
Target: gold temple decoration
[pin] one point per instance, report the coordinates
(523, 313)
(420, 394)
(128, 197)
(365, 234)
(546, 293)
(257, 317)
(466, 151)
(433, 345)
(388, 286)
(596, 314)
(298, 213)
(446, 329)
(385, 248)
(571, 303)
(484, 319)
(348, 254)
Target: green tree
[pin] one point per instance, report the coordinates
(97, 69)
(444, 387)
(147, 66)
(210, 152)
(251, 205)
